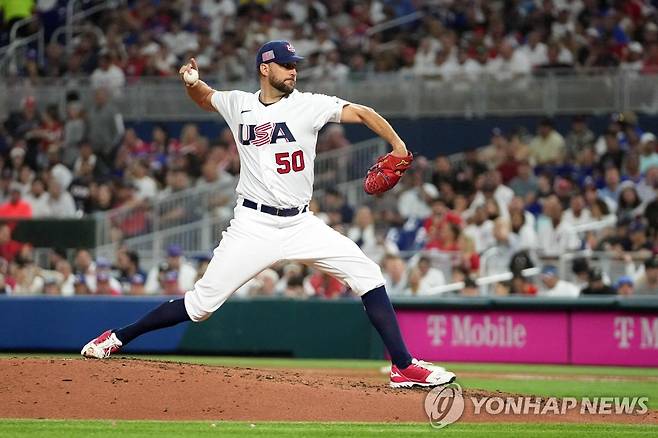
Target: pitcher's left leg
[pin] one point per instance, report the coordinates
(318, 245)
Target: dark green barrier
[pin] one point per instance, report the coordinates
(57, 233)
(275, 327)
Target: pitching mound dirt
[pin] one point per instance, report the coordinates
(135, 389)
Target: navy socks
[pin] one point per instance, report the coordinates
(376, 302)
(382, 316)
(165, 315)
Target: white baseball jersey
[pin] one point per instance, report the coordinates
(277, 142)
(277, 148)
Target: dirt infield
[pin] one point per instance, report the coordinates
(136, 389)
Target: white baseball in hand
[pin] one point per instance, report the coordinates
(191, 76)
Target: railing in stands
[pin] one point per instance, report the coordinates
(394, 95)
(194, 217)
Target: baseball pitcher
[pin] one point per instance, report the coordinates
(276, 130)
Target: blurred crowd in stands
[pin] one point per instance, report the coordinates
(341, 39)
(518, 203)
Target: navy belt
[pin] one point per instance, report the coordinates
(273, 210)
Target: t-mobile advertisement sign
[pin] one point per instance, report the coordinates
(614, 338)
(578, 337)
(506, 336)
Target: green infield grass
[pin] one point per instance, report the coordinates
(139, 429)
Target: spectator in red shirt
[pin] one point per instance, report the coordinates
(9, 248)
(440, 214)
(325, 286)
(445, 237)
(651, 60)
(16, 207)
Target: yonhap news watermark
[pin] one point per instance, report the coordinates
(445, 405)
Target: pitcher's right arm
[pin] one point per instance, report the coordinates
(199, 92)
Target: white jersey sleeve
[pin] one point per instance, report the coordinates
(326, 109)
(228, 104)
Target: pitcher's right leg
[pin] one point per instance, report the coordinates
(247, 247)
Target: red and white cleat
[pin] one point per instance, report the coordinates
(103, 346)
(420, 373)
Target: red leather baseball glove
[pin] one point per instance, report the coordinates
(386, 173)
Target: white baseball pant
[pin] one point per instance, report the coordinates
(256, 240)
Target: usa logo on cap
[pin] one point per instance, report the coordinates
(268, 56)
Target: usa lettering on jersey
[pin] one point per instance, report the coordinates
(265, 133)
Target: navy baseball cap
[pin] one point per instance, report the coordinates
(279, 51)
(624, 279)
(549, 271)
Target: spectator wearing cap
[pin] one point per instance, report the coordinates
(185, 272)
(648, 152)
(80, 286)
(17, 157)
(136, 286)
(552, 286)
(104, 283)
(597, 284)
(548, 146)
(624, 286)
(646, 283)
(203, 261)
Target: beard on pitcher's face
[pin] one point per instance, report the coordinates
(286, 85)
